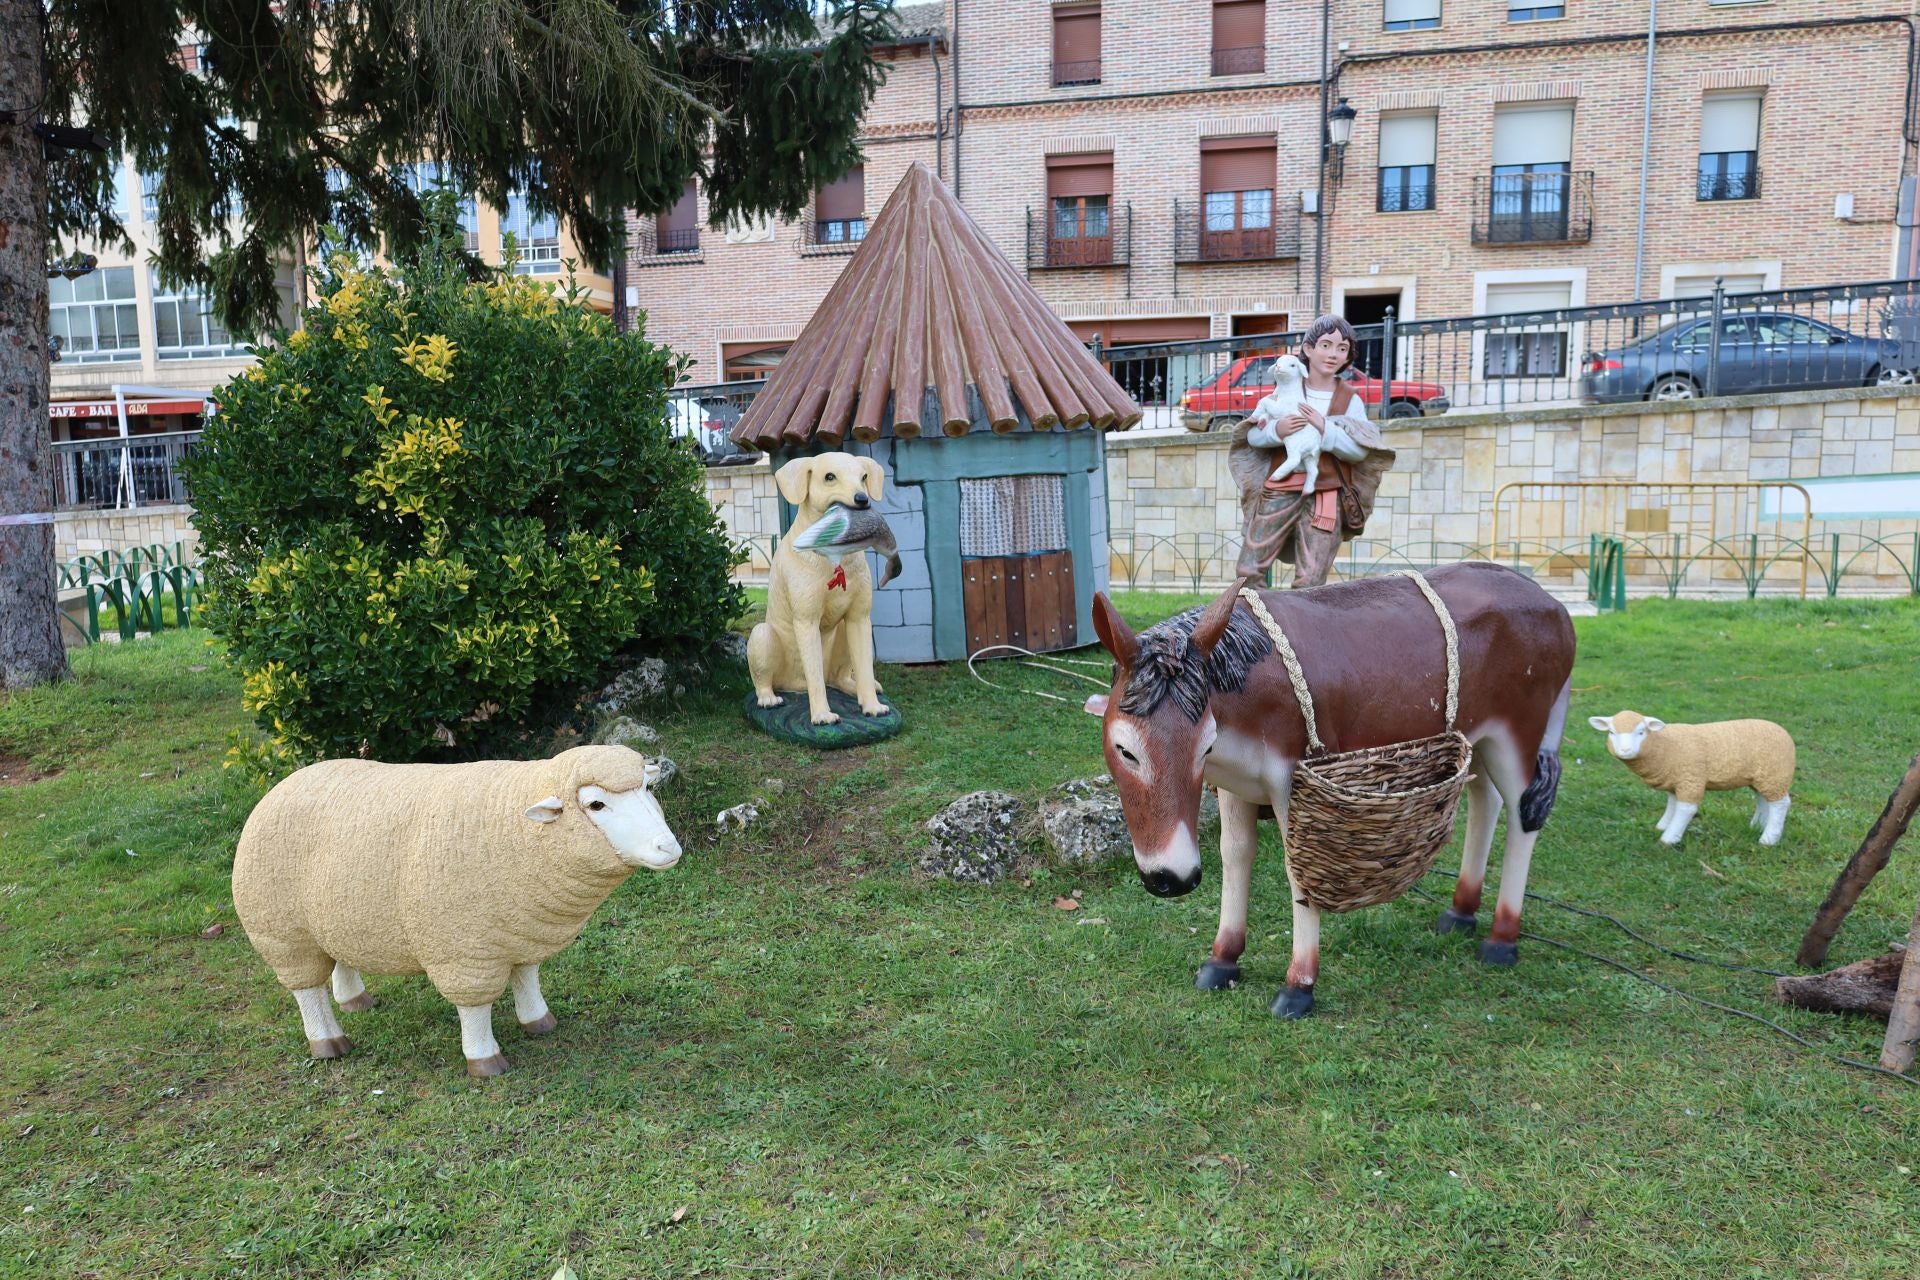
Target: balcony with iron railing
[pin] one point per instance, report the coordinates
(839, 233)
(117, 473)
(1533, 208)
(1235, 226)
(671, 242)
(1082, 71)
(1240, 60)
(1090, 235)
(1727, 182)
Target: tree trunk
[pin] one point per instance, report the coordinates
(1903, 1022)
(1866, 863)
(1865, 986)
(30, 647)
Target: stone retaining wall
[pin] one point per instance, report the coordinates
(80, 533)
(1176, 523)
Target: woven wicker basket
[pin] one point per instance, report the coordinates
(1363, 826)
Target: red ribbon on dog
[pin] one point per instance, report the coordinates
(839, 578)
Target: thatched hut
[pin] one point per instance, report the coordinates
(935, 357)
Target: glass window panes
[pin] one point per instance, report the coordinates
(1406, 188)
(149, 198)
(95, 316)
(184, 327)
(1220, 208)
(536, 236)
(1534, 12)
(1410, 15)
(427, 176)
(1256, 209)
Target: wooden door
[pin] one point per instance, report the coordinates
(1026, 601)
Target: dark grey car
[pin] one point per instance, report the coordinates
(1759, 351)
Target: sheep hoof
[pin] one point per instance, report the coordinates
(540, 1025)
(1214, 976)
(332, 1047)
(1452, 921)
(1504, 954)
(1293, 1003)
(483, 1068)
(358, 1004)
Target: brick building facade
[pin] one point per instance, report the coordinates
(1158, 169)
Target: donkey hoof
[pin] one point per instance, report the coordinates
(1452, 921)
(540, 1025)
(360, 1002)
(332, 1047)
(1214, 976)
(1504, 954)
(1293, 1002)
(485, 1067)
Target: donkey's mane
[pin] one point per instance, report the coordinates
(1167, 667)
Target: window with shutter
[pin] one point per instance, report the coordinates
(1411, 15)
(840, 210)
(1729, 147)
(1236, 198)
(678, 230)
(1532, 184)
(1079, 210)
(1239, 37)
(1407, 150)
(1527, 351)
(1076, 44)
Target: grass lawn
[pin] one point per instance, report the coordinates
(794, 1056)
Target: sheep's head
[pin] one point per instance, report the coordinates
(1626, 731)
(1288, 368)
(611, 788)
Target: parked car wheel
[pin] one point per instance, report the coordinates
(1674, 386)
(1891, 378)
(1403, 409)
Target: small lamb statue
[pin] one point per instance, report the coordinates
(1688, 760)
(1288, 396)
(473, 874)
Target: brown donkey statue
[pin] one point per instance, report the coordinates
(1202, 698)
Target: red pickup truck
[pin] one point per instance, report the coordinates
(1232, 396)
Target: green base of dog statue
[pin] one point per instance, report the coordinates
(790, 722)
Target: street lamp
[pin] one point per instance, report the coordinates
(1339, 134)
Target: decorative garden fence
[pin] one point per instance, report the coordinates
(131, 588)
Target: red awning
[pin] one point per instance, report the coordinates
(135, 408)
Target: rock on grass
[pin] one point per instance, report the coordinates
(976, 839)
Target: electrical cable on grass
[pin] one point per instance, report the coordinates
(1040, 666)
(1629, 970)
(1621, 925)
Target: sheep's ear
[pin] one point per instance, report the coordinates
(1096, 705)
(792, 480)
(876, 478)
(1603, 723)
(545, 811)
(653, 772)
(1655, 726)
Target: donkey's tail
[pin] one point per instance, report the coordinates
(1536, 802)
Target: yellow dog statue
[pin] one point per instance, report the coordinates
(819, 627)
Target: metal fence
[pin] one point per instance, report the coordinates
(1719, 343)
(121, 472)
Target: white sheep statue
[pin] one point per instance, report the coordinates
(473, 874)
(1688, 760)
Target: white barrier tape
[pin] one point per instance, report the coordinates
(32, 517)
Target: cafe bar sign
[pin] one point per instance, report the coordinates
(135, 408)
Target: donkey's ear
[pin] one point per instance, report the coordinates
(1115, 635)
(1213, 623)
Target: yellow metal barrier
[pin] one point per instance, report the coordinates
(1723, 520)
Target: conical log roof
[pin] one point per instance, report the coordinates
(928, 321)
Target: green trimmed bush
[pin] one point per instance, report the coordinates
(445, 505)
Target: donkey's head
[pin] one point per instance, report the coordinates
(1159, 726)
